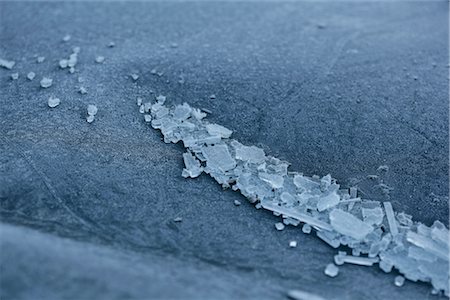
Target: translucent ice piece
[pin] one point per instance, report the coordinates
(214, 129)
(219, 157)
(373, 215)
(279, 226)
(6, 64)
(329, 238)
(193, 168)
(251, 154)
(92, 110)
(399, 280)
(347, 224)
(328, 201)
(274, 180)
(331, 270)
(53, 102)
(182, 112)
(46, 82)
(306, 228)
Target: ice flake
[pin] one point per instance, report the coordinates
(212, 97)
(329, 237)
(214, 129)
(306, 228)
(66, 38)
(63, 63)
(348, 224)
(82, 90)
(40, 59)
(100, 59)
(139, 101)
(251, 154)
(111, 44)
(359, 260)
(302, 295)
(218, 158)
(31, 75)
(147, 118)
(192, 166)
(237, 202)
(293, 244)
(178, 219)
(134, 77)
(197, 114)
(383, 168)
(182, 112)
(373, 215)
(15, 76)
(331, 270)
(53, 102)
(399, 280)
(90, 118)
(7, 64)
(92, 110)
(46, 82)
(274, 180)
(279, 226)
(391, 218)
(161, 99)
(142, 109)
(328, 201)
(353, 192)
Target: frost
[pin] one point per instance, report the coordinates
(31, 75)
(92, 110)
(53, 102)
(7, 64)
(46, 82)
(331, 270)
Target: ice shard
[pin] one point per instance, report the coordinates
(347, 224)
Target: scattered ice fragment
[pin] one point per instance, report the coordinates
(174, 45)
(63, 63)
(100, 60)
(212, 97)
(214, 129)
(331, 270)
(353, 192)
(161, 99)
(373, 215)
(71, 70)
(46, 82)
(40, 59)
(67, 38)
(218, 158)
(182, 112)
(258, 206)
(251, 154)
(142, 108)
(192, 166)
(15, 76)
(391, 218)
(92, 110)
(90, 119)
(306, 228)
(31, 75)
(302, 295)
(178, 219)
(82, 90)
(279, 226)
(53, 102)
(360, 260)
(111, 44)
(293, 244)
(383, 168)
(7, 64)
(76, 50)
(347, 224)
(237, 202)
(196, 113)
(275, 181)
(328, 201)
(399, 280)
(147, 118)
(134, 76)
(139, 101)
(386, 266)
(329, 238)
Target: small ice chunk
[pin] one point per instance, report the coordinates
(386, 266)
(331, 270)
(218, 157)
(237, 202)
(249, 153)
(66, 38)
(71, 70)
(63, 63)
(347, 224)
(178, 219)
(111, 44)
(40, 59)
(139, 101)
(214, 129)
(359, 260)
(31, 75)
(174, 45)
(92, 110)
(182, 112)
(7, 64)
(329, 238)
(399, 280)
(15, 76)
(46, 82)
(82, 90)
(373, 215)
(279, 226)
(212, 96)
(197, 114)
(391, 218)
(161, 99)
(73, 59)
(76, 50)
(304, 182)
(306, 228)
(134, 77)
(293, 244)
(329, 201)
(53, 102)
(353, 192)
(192, 166)
(274, 180)
(147, 118)
(258, 205)
(302, 295)
(383, 168)
(90, 119)
(100, 59)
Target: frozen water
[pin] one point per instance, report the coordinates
(218, 158)
(279, 226)
(15, 76)
(53, 102)
(302, 295)
(328, 201)
(399, 280)
(306, 228)
(92, 110)
(90, 118)
(139, 101)
(161, 99)
(214, 129)
(293, 244)
(111, 44)
(192, 166)
(237, 202)
(147, 118)
(134, 77)
(178, 219)
(46, 82)
(347, 224)
(391, 218)
(82, 90)
(31, 75)
(63, 63)
(67, 38)
(7, 64)
(99, 59)
(331, 270)
(40, 59)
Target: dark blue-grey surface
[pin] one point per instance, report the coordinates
(87, 209)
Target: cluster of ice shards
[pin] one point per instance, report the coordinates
(371, 229)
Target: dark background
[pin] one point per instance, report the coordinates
(87, 209)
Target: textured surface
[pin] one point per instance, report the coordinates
(332, 88)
